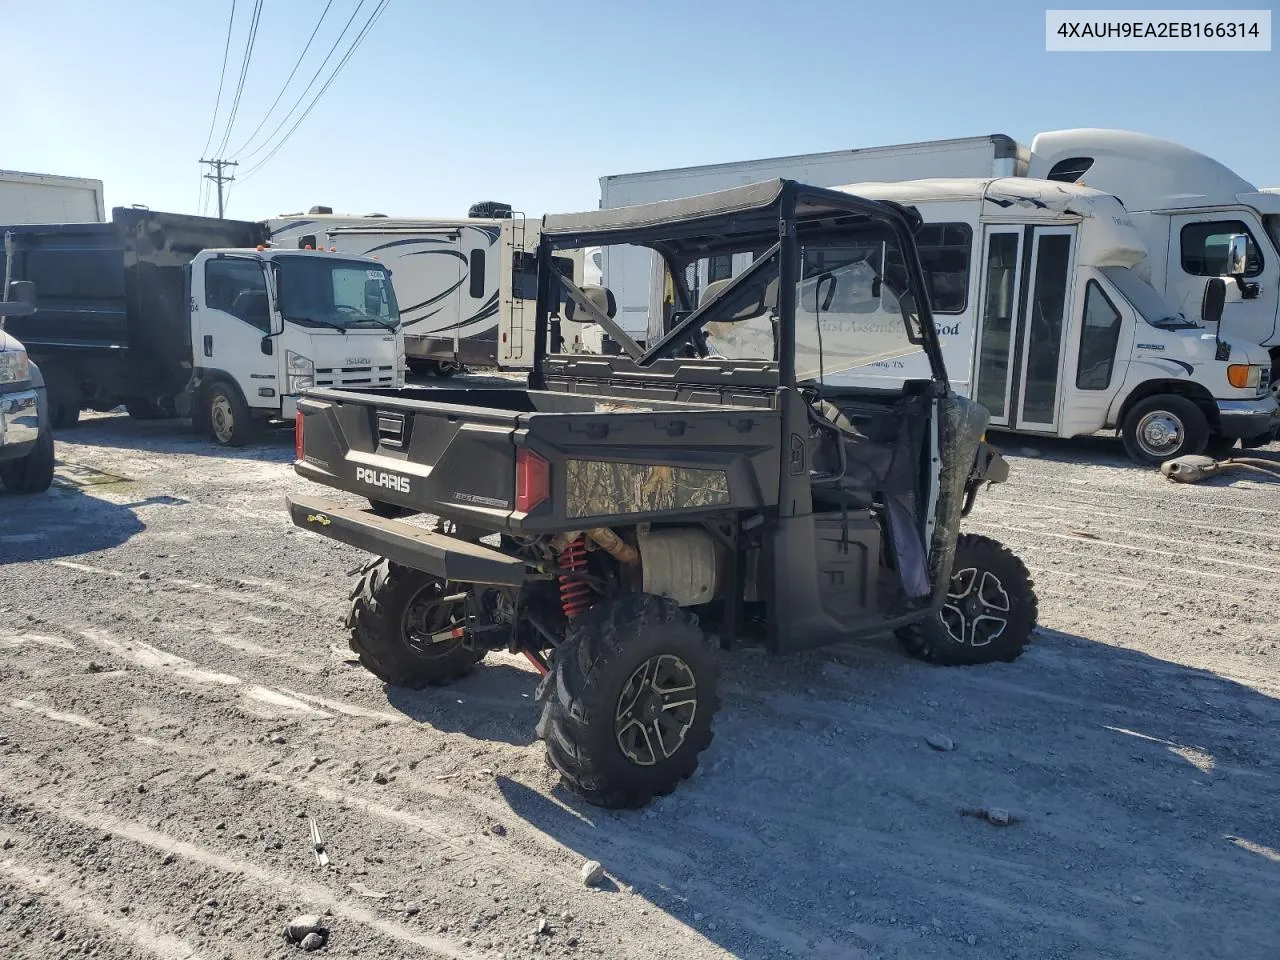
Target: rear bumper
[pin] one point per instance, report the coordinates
(1239, 419)
(433, 553)
(19, 422)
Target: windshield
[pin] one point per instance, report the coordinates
(1272, 223)
(331, 292)
(1149, 304)
(848, 313)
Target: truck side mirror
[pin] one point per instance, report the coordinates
(1238, 265)
(268, 346)
(1215, 297)
(1237, 255)
(21, 301)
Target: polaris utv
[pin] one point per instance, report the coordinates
(625, 515)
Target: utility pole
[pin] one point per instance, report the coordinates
(219, 177)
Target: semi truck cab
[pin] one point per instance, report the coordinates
(267, 324)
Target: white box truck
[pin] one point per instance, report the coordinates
(46, 198)
(1185, 206)
(466, 286)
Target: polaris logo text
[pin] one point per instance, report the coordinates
(388, 481)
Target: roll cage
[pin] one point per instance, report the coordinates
(772, 220)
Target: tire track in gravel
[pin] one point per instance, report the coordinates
(64, 811)
(467, 852)
(60, 887)
(1091, 510)
(1175, 498)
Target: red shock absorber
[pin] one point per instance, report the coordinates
(575, 595)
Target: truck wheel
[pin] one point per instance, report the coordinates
(64, 398)
(627, 707)
(230, 423)
(394, 612)
(34, 472)
(990, 611)
(1162, 427)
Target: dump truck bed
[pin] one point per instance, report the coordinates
(532, 461)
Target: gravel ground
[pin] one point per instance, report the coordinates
(177, 705)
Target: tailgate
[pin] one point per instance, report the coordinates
(411, 452)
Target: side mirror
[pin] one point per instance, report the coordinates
(1237, 255)
(268, 346)
(1215, 297)
(22, 299)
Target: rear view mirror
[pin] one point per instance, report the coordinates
(1237, 255)
(21, 301)
(268, 346)
(1215, 297)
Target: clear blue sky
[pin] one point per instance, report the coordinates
(446, 103)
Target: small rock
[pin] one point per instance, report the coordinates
(1164, 805)
(8, 843)
(277, 738)
(379, 777)
(144, 575)
(301, 926)
(142, 788)
(543, 926)
(498, 830)
(571, 942)
(412, 910)
(93, 667)
(940, 741)
(566, 916)
(169, 858)
(592, 873)
(998, 815)
(221, 826)
(312, 941)
(971, 940)
(697, 917)
(1136, 899)
(58, 935)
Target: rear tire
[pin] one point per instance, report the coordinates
(628, 705)
(1163, 427)
(230, 422)
(990, 611)
(34, 472)
(392, 609)
(141, 409)
(63, 393)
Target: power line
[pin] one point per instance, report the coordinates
(226, 48)
(244, 71)
(373, 18)
(310, 83)
(289, 80)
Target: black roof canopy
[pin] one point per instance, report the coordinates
(752, 209)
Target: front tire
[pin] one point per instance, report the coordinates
(394, 611)
(990, 611)
(1163, 427)
(34, 472)
(230, 422)
(628, 705)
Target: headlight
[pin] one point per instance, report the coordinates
(14, 366)
(1244, 375)
(300, 370)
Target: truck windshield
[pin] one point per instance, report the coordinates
(328, 291)
(1149, 304)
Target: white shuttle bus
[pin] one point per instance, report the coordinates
(1042, 298)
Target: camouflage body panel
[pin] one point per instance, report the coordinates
(600, 488)
(961, 423)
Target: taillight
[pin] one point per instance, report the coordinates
(533, 480)
(297, 435)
